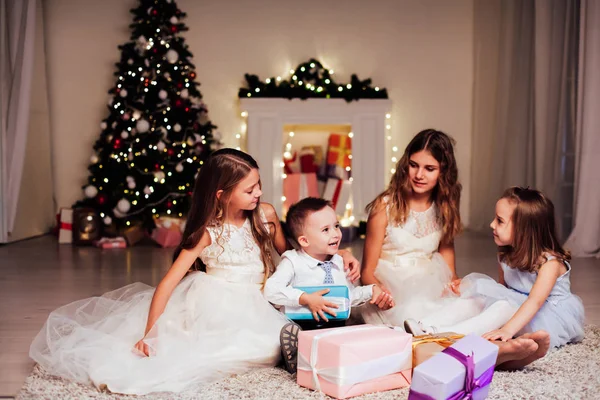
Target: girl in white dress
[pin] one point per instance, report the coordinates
(409, 251)
(409, 248)
(196, 327)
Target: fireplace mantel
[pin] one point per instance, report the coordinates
(264, 140)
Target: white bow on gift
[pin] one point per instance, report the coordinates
(353, 374)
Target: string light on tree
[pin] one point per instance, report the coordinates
(143, 153)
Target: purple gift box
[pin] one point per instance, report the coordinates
(464, 370)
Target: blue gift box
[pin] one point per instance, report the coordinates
(339, 295)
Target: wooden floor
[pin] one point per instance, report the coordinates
(38, 275)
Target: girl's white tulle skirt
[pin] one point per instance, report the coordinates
(210, 329)
(418, 285)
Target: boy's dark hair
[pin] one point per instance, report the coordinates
(299, 211)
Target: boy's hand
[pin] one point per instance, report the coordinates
(318, 305)
(381, 298)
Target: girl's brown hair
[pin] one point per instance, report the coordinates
(533, 231)
(223, 170)
(446, 193)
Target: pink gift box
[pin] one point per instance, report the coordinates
(167, 237)
(111, 243)
(354, 360)
(298, 186)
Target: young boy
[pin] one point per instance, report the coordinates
(314, 225)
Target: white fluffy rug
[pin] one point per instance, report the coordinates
(572, 372)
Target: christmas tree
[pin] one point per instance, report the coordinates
(157, 133)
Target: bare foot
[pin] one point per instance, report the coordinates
(515, 349)
(542, 340)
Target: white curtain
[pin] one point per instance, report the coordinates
(523, 94)
(17, 38)
(585, 238)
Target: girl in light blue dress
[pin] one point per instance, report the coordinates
(535, 270)
(534, 277)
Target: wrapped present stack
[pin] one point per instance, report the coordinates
(339, 153)
(310, 173)
(301, 177)
(168, 231)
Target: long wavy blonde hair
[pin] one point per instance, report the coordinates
(446, 193)
(223, 170)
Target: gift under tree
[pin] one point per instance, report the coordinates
(156, 134)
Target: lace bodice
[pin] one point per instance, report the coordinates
(232, 248)
(419, 236)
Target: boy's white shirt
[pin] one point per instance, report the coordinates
(299, 269)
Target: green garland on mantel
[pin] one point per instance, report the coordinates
(311, 80)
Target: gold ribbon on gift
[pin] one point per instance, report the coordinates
(440, 341)
(445, 339)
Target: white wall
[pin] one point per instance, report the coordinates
(420, 50)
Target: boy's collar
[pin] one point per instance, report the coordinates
(336, 259)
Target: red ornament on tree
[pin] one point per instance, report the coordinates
(134, 137)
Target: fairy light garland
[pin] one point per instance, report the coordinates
(243, 130)
(394, 148)
(311, 80)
